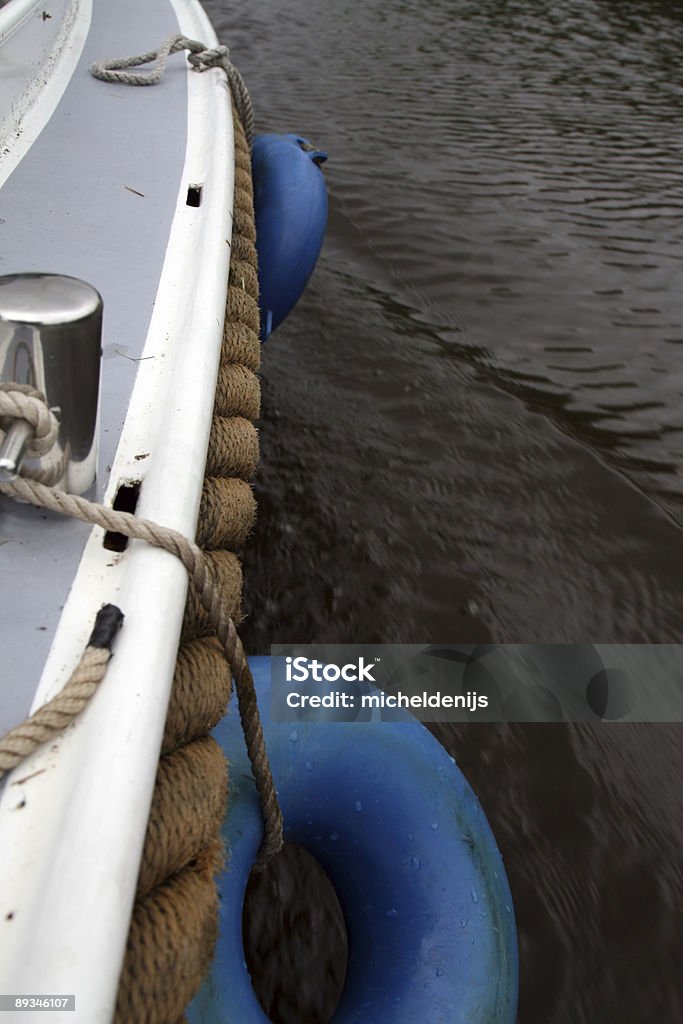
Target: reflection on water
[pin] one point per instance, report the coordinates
(505, 219)
(515, 167)
(472, 426)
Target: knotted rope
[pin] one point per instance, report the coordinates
(200, 57)
(22, 402)
(212, 599)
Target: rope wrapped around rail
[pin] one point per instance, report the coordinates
(213, 601)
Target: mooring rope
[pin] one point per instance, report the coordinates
(22, 402)
(212, 599)
(25, 403)
(52, 718)
(200, 57)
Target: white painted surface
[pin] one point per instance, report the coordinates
(71, 836)
(41, 42)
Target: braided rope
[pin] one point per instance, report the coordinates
(52, 718)
(201, 58)
(213, 601)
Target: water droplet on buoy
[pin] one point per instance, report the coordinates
(392, 912)
(294, 736)
(439, 972)
(309, 766)
(415, 863)
(508, 909)
(475, 895)
(358, 805)
(435, 825)
(334, 836)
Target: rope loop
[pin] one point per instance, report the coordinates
(203, 59)
(200, 57)
(23, 402)
(114, 70)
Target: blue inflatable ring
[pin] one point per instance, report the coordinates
(410, 854)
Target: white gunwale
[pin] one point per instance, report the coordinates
(72, 832)
(35, 95)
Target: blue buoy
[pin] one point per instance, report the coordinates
(290, 204)
(410, 854)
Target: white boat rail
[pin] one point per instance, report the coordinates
(73, 817)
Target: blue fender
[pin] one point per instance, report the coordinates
(405, 843)
(290, 205)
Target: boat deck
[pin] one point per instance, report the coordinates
(93, 197)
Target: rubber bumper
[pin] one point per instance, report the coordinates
(407, 847)
(290, 206)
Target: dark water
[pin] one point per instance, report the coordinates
(473, 428)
